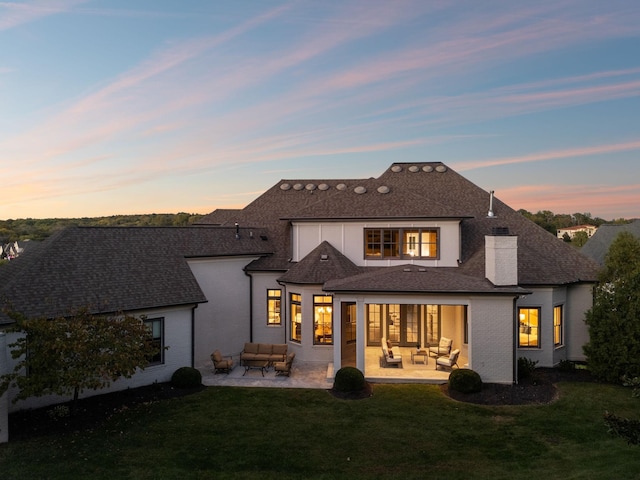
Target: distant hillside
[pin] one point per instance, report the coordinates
(39, 229)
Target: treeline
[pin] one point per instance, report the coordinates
(39, 229)
(552, 222)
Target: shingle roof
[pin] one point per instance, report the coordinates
(415, 191)
(322, 264)
(112, 269)
(598, 244)
(416, 279)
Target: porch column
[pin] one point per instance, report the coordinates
(361, 338)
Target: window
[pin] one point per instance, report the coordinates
(349, 315)
(401, 243)
(557, 326)
(374, 323)
(529, 327)
(156, 327)
(323, 319)
(273, 307)
(296, 317)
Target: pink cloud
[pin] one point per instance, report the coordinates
(13, 14)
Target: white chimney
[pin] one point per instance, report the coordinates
(501, 257)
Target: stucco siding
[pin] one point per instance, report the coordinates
(223, 322)
(262, 331)
(580, 299)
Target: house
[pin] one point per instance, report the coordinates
(598, 245)
(332, 267)
(571, 231)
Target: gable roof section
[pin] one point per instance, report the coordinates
(429, 190)
(598, 244)
(111, 269)
(321, 264)
(416, 279)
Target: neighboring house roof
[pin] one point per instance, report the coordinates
(111, 269)
(321, 264)
(412, 191)
(598, 245)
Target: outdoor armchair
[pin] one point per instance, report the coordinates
(220, 363)
(448, 361)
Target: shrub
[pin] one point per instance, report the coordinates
(464, 380)
(623, 427)
(566, 366)
(186, 377)
(349, 379)
(526, 367)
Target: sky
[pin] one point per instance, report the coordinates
(132, 107)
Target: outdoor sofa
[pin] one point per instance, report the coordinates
(263, 352)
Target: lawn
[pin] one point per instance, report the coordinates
(402, 431)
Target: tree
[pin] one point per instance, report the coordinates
(613, 351)
(579, 239)
(68, 355)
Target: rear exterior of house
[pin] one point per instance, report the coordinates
(333, 268)
(414, 255)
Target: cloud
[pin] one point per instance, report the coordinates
(551, 155)
(13, 14)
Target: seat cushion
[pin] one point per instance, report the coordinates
(251, 348)
(265, 348)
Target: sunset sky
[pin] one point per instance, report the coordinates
(128, 107)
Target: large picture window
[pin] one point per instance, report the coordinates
(323, 319)
(296, 317)
(558, 326)
(156, 328)
(529, 327)
(273, 307)
(401, 243)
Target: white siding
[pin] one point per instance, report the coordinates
(348, 238)
(579, 300)
(491, 329)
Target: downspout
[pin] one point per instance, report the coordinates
(193, 335)
(283, 315)
(250, 304)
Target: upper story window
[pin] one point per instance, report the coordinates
(401, 243)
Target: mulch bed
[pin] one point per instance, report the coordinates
(538, 389)
(93, 411)
(90, 411)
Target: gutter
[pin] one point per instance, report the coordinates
(250, 304)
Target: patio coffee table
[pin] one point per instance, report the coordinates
(420, 353)
(255, 364)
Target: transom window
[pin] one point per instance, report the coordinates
(401, 243)
(529, 331)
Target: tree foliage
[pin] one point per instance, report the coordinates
(39, 229)
(68, 355)
(613, 351)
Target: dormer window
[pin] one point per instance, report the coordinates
(408, 243)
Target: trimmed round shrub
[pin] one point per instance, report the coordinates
(186, 377)
(348, 379)
(464, 380)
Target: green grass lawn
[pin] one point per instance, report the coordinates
(403, 431)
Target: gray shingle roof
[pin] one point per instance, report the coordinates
(114, 269)
(416, 279)
(598, 244)
(322, 264)
(411, 191)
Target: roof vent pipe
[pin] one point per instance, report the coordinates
(237, 231)
(490, 214)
